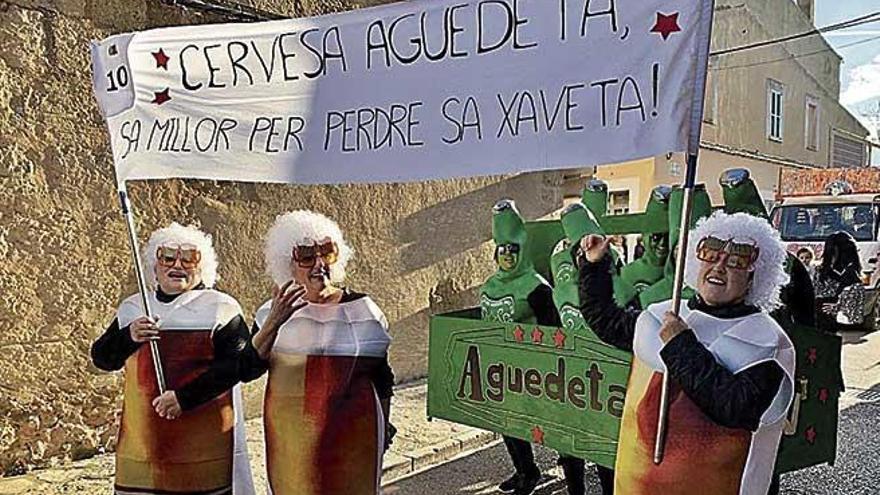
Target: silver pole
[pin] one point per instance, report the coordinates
(142, 285)
(683, 236)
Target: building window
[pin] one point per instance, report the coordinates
(847, 151)
(618, 202)
(811, 125)
(775, 99)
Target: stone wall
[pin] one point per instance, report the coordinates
(64, 261)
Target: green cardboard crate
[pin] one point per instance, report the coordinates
(566, 392)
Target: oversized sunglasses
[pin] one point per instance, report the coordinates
(739, 255)
(506, 249)
(307, 256)
(188, 255)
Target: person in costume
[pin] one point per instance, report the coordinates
(840, 295)
(731, 365)
(577, 221)
(650, 267)
(190, 439)
(328, 397)
(594, 197)
(516, 292)
(702, 207)
(741, 195)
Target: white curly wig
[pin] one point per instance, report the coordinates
(769, 271)
(176, 234)
(302, 227)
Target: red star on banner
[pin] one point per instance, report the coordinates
(812, 355)
(537, 435)
(559, 338)
(518, 334)
(537, 335)
(810, 435)
(161, 59)
(823, 395)
(666, 25)
(160, 97)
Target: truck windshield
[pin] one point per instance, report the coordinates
(816, 222)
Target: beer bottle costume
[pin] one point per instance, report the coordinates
(702, 207)
(516, 292)
(650, 268)
(506, 296)
(203, 451)
(732, 383)
(577, 222)
(324, 426)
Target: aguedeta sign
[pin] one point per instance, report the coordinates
(562, 389)
(406, 91)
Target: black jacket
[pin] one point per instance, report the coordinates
(734, 400)
(115, 346)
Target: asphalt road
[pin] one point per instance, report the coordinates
(856, 472)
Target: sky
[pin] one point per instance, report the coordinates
(860, 71)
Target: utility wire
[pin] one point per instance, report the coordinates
(228, 9)
(865, 19)
(800, 55)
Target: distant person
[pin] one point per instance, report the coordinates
(639, 250)
(805, 254)
(618, 244)
(840, 296)
(830, 221)
(863, 223)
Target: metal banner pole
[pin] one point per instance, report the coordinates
(142, 285)
(696, 127)
(683, 236)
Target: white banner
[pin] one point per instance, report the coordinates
(407, 91)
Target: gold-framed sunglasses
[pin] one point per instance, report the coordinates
(307, 256)
(739, 254)
(189, 256)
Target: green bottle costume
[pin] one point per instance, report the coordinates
(650, 268)
(741, 195)
(504, 296)
(595, 197)
(702, 207)
(577, 221)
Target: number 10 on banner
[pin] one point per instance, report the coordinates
(112, 77)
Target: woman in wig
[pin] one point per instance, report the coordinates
(731, 366)
(190, 439)
(329, 391)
